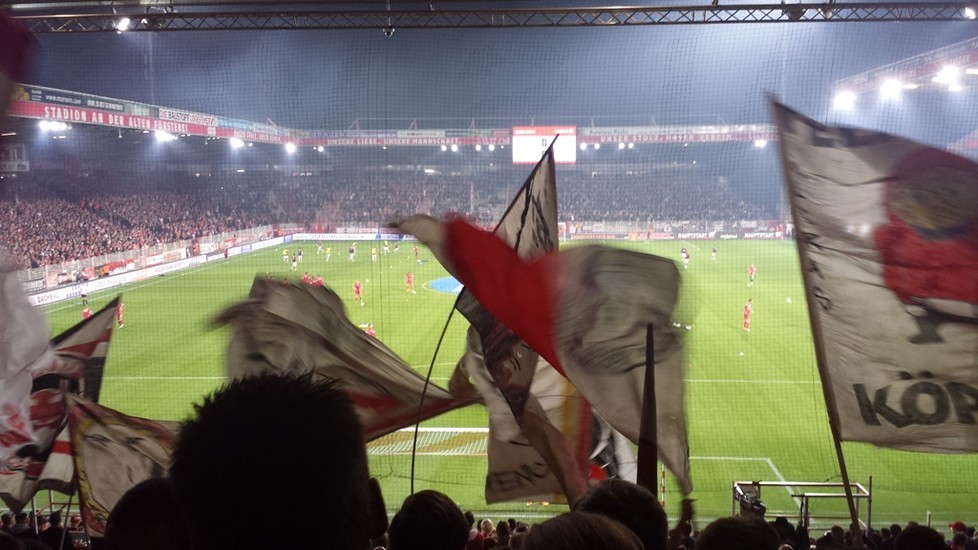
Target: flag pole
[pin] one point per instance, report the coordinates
(817, 336)
(648, 449)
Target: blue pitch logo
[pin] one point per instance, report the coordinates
(448, 285)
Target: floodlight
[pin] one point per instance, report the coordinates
(890, 89)
(631, 145)
(320, 148)
(844, 100)
(478, 147)
(584, 147)
(444, 148)
(597, 146)
(236, 143)
(163, 137)
(122, 25)
(290, 148)
(621, 145)
(949, 74)
(910, 86)
(760, 143)
(492, 147)
(971, 71)
(955, 88)
(969, 13)
(454, 148)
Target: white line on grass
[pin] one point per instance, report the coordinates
(767, 460)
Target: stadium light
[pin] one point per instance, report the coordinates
(290, 148)
(910, 86)
(492, 147)
(584, 147)
(478, 147)
(444, 147)
(122, 25)
(890, 89)
(845, 100)
(454, 148)
(969, 13)
(621, 145)
(760, 143)
(236, 143)
(163, 137)
(631, 145)
(320, 148)
(597, 146)
(949, 75)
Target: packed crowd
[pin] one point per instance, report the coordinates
(35, 531)
(52, 220)
(334, 503)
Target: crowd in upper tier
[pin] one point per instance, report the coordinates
(51, 219)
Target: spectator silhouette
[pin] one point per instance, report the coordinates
(290, 442)
(919, 537)
(147, 517)
(738, 533)
(428, 520)
(581, 531)
(630, 504)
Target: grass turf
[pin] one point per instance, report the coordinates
(754, 401)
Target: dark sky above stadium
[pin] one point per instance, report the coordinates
(694, 74)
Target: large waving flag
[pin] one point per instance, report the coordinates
(888, 238)
(552, 441)
(79, 360)
(585, 310)
(284, 327)
(112, 453)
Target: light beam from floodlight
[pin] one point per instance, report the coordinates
(290, 148)
(844, 100)
(236, 143)
(163, 137)
(890, 89)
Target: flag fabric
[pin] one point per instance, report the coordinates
(24, 347)
(79, 360)
(291, 328)
(112, 453)
(585, 310)
(887, 231)
(523, 433)
(516, 469)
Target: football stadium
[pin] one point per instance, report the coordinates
(164, 166)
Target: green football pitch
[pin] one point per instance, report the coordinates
(754, 400)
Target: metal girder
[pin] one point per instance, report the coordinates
(327, 19)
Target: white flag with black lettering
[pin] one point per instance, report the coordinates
(888, 235)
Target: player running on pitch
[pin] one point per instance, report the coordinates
(409, 282)
(357, 293)
(751, 271)
(684, 253)
(748, 309)
(329, 252)
(713, 253)
(119, 314)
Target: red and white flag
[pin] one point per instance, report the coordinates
(887, 230)
(553, 441)
(585, 310)
(79, 359)
(292, 328)
(113, 452)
